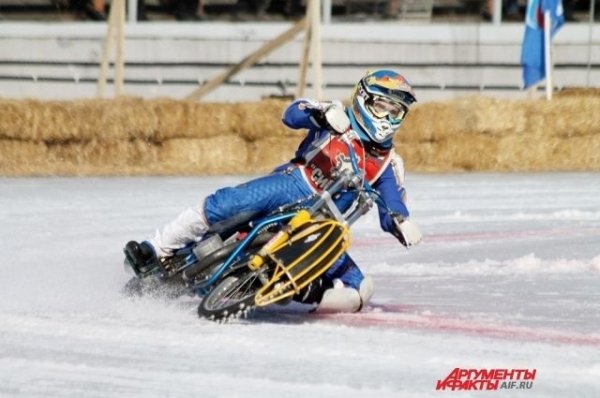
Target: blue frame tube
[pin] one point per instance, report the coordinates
(242, 246)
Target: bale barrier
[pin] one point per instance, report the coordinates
(133, 136)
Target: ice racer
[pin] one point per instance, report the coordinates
(380, 101)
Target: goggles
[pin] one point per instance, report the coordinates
(382, 107)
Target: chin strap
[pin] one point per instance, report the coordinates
(340, 298)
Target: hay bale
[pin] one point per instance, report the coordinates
(576, 154)
(419, 156)
(120, 119)
(267, 153)
(22, 157)
(214, 155)
(165, 136)
(13, 120)
(463, 152)
(494, 116)
(260, 119)
(564, 117)
(188, 119)
(569, 92)
(60, 121)
(101, 157)
(519, 152)
(431, 122)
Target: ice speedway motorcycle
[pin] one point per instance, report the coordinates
(248, 261)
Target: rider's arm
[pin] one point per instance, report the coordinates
(390, 186)
(302, 114)
(317, 117)
(310, 114)
(394, 219)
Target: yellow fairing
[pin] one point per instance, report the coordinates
(302, 259)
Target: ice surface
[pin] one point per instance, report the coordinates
(507, 277)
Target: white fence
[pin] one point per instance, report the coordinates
(61, 61)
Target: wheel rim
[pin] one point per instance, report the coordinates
(234, 290)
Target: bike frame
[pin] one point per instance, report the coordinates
(324, 199)
(203, 286)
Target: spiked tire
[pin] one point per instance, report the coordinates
(232, 298)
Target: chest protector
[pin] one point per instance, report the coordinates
(332, 153)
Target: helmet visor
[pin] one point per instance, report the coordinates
(382, 107)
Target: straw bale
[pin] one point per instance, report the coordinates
(466, 152)
(121, 119)
(564, 117)
(14, 117)
(528, 153)
(165, 136)
(76, 158)
(267, 153)
(35, 120)
(61, 121)
(578, 92)
(474, 153)
(260, 119)
(419, 156)
(516, 152)
(118, 154)
(188, 119)
(494, 116)
(215, 155)
(21, 157)
(463, 152)
(523, 152)
(576, 153)
(431, 122)
(102, 157)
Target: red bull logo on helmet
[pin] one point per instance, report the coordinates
(390, 81)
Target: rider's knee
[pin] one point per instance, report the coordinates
(341, 298)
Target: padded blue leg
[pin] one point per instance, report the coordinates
(263, 194)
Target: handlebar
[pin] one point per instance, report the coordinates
(345, 181)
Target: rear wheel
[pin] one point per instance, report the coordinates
(232, 297)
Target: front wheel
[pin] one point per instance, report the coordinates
(232, 297)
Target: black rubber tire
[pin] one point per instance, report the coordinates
(232, 297)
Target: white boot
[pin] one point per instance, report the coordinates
(346, 299)
(189, 226)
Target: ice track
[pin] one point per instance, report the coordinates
(508, 277)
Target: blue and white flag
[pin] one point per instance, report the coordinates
(532, 53)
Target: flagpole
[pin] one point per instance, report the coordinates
(590, 34)
(548, 54)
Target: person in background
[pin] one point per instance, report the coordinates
(183, 10)
(511, 10)
(89, 9)
(257, 8)
(189, 10)
(569, 8)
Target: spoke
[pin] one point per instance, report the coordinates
(242, 288)
(247, 282)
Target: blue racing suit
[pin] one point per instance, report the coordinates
(287, 184)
